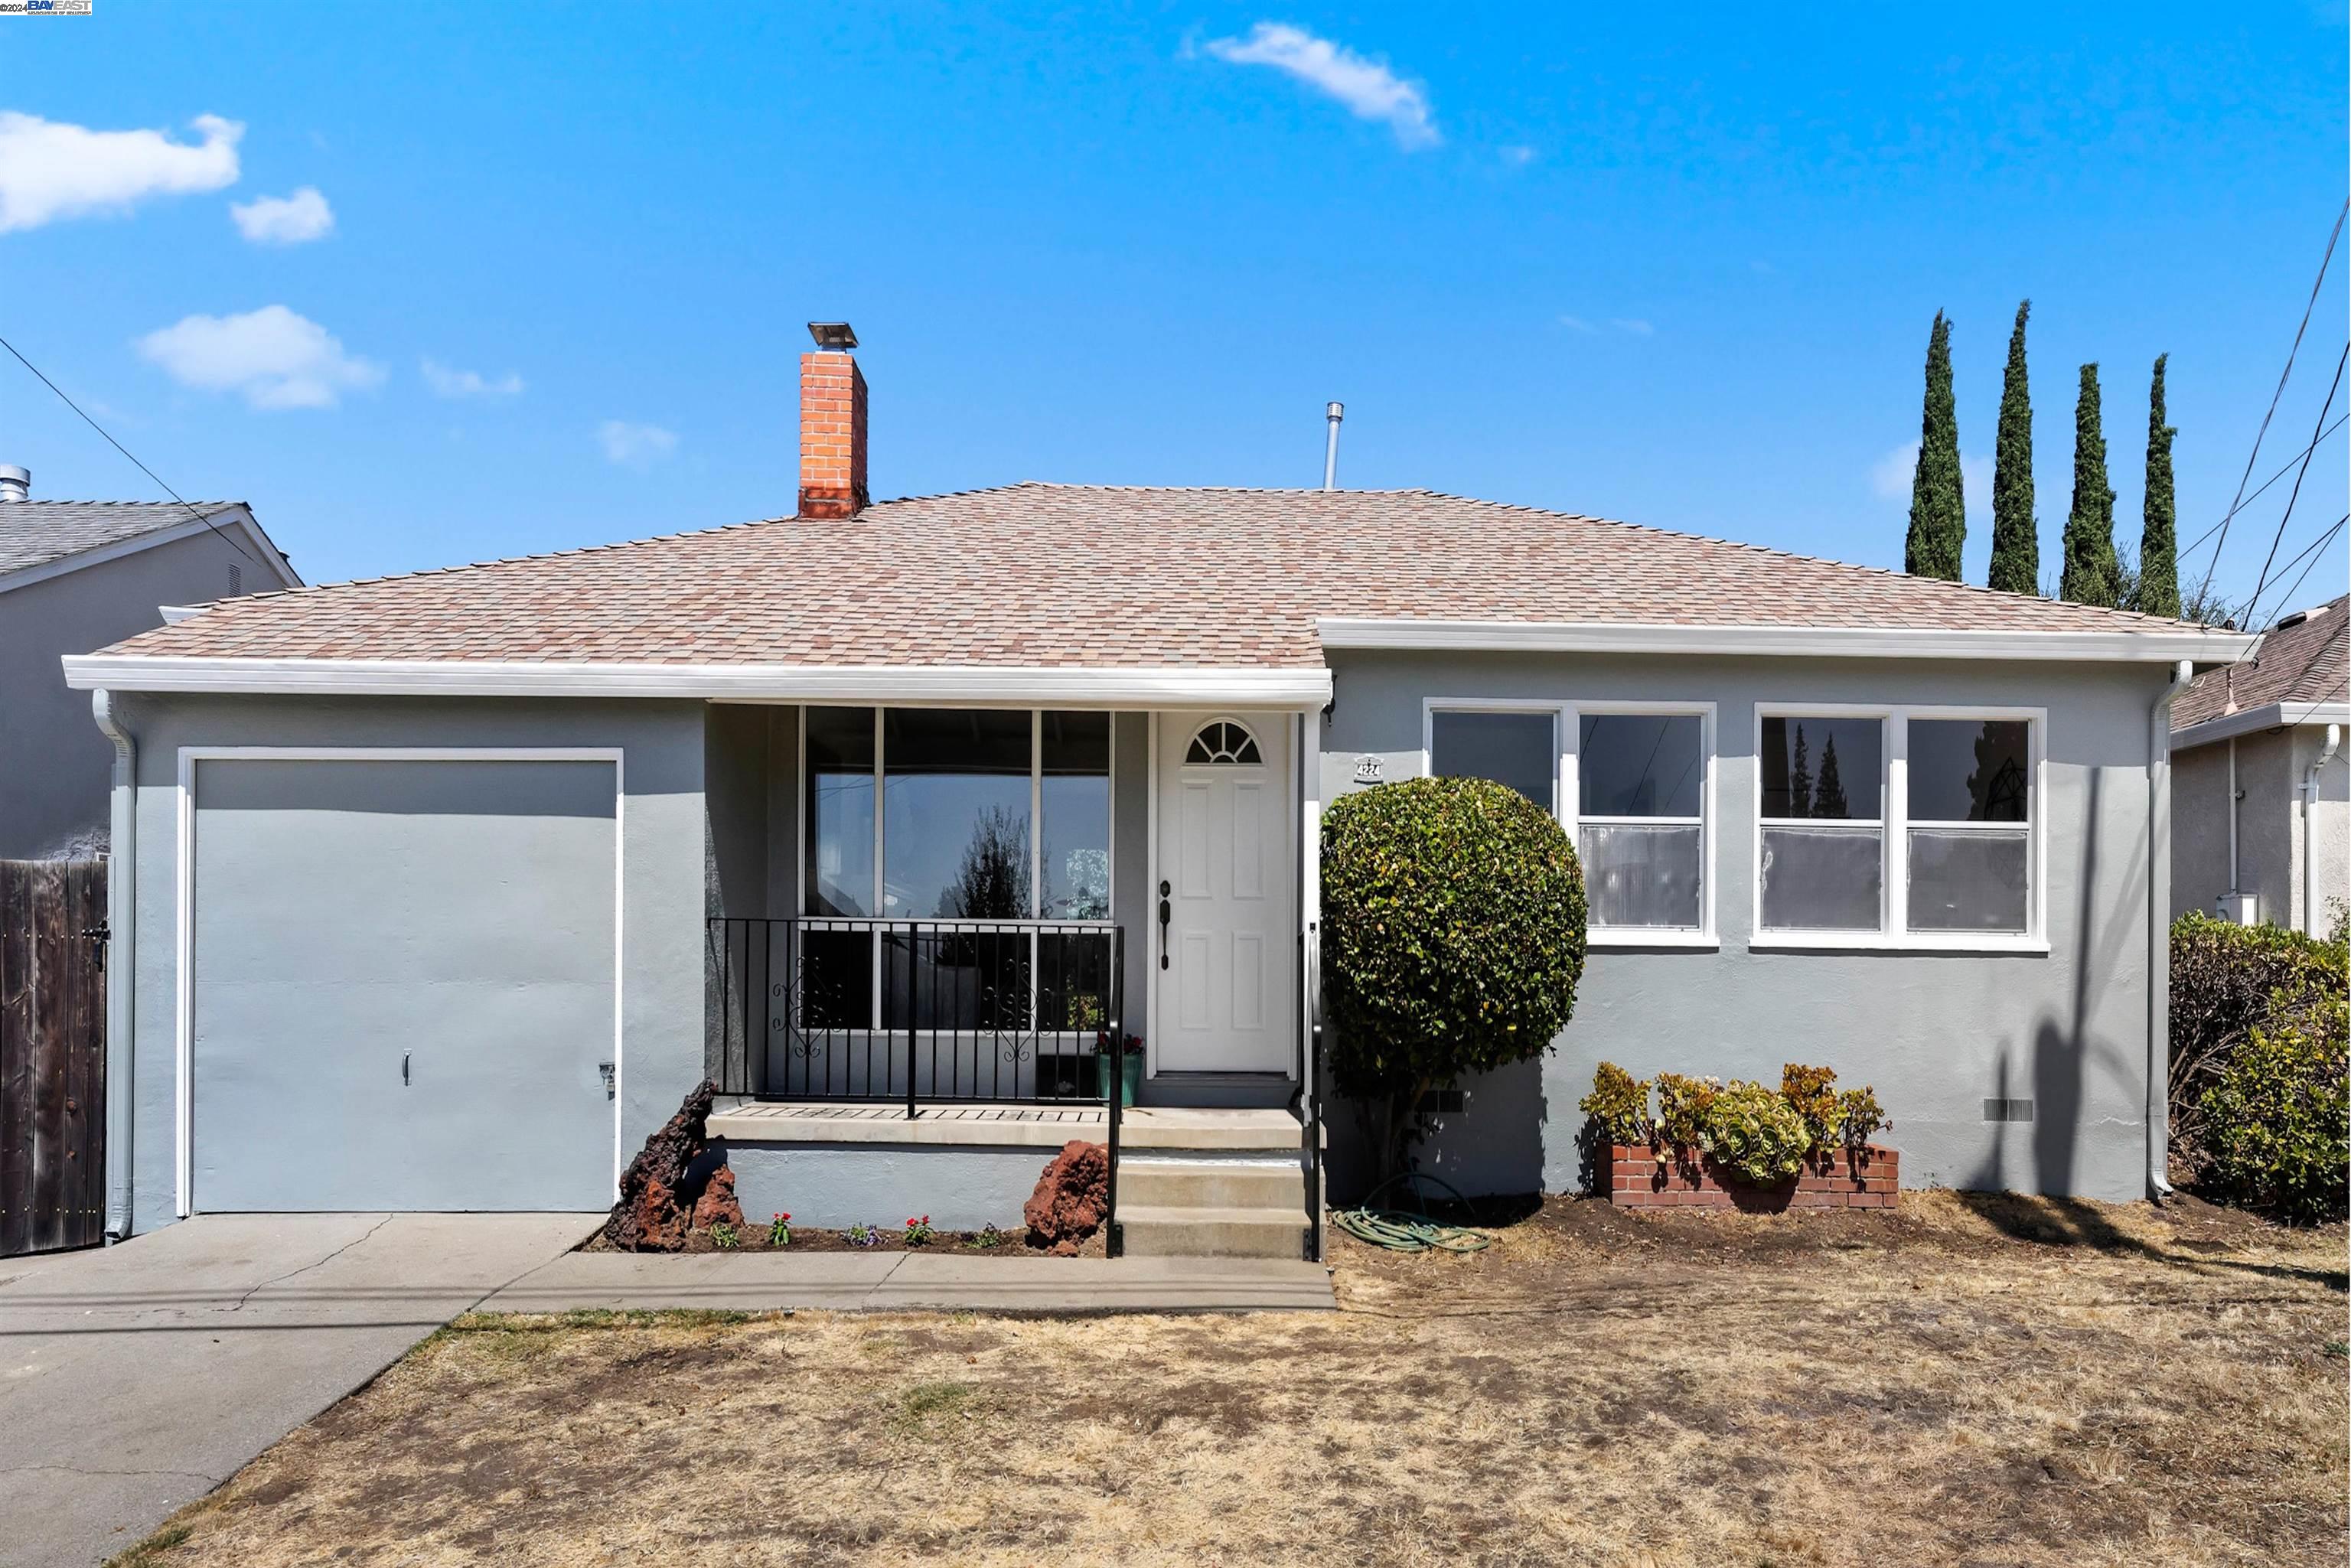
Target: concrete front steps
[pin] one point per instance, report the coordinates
(1212, 1183)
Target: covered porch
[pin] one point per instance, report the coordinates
(911, 906)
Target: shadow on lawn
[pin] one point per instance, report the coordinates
(2071, 1222)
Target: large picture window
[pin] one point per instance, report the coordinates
(1641, 821)
(1638, 781)
(1908, 827)
(971, 818)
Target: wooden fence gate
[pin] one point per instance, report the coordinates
(52, 1055)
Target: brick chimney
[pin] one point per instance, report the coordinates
(833, 425)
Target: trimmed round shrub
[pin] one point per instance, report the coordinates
(1753, 1133)
(1452, 933)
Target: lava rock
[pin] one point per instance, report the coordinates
(1072, 1199)
(717, 1205)
(650, 1216)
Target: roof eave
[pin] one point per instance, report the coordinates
(1157, 686)
(2197, 644)
(2253, 720)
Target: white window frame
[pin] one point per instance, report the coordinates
(1704, 934)
(1567, 716)
(1894, 933)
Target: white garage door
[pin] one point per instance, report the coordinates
(402, 983)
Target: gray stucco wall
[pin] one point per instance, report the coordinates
(1937, 1034)
(55, 766)
(2270, 765)
(834, 1185)
(664, 857)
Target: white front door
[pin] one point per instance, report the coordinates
(1225, 951)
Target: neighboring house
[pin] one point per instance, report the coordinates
(74, 576)
(449, 886)
(2260, 827)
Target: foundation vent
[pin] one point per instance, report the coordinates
(2008, 1110)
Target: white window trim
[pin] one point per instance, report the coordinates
(1893, 935)
(1705, 936)
(183, 1008)
(1566, 786)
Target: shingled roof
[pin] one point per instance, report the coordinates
(1040, 576)
(2308, 661)
(35, 533)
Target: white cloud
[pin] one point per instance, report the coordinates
(1891, 476)
(285, 220)
(1519, 157)
(635, 445)
(49, 170)
(1577, 324)
(452, 384)
(1368, 87)
(276, 358)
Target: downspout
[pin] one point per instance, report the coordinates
(2158, 932)
(122, 957)
(2235, 809)
(2309, 818)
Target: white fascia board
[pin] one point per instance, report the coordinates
(1185, 687)
(2200, 645)
(2253, 720)
(234, 520)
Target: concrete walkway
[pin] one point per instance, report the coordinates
(908, 1281)
(136, 1378)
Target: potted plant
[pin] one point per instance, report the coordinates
(1130, 1066)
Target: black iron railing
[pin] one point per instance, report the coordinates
(918, 1011)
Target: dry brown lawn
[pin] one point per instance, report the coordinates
(1960, 1381)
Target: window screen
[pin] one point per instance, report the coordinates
(1823, 860)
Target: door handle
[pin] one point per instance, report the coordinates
(1166, 913)
(403, 1070)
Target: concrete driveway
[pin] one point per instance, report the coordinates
(136, 1378)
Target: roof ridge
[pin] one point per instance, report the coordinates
(1937, 583)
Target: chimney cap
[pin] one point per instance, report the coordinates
(832, 335)
(16, 483)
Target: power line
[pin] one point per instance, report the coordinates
(2314, 549)
(2192, 546)
(2324, 262)
(226, 537)
(2295, 493)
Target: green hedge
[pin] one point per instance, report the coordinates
(2277, 1126)
(2229, 983)
(1452, 933)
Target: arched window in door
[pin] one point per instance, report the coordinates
(1221, 743)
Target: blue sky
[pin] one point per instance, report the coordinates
(1672, 266)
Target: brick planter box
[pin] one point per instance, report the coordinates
(1868, 1179)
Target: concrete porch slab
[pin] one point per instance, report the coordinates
(905, 1282)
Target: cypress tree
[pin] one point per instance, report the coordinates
(1799, 781)
(2092, 573)
(1828, 800)
(1939, 514)
(2015, 531)
(2158, 542)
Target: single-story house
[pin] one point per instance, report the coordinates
(440, 891)
(77, 575)
(2261, 830)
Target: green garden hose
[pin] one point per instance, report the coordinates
(1401, 1230)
